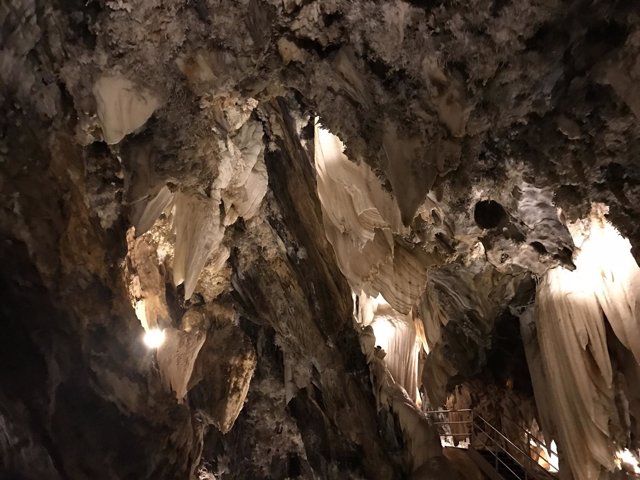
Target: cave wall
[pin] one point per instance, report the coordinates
(113, 110)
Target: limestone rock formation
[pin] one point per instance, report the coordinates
(263, 239)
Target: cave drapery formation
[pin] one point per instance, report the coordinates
(325, 217)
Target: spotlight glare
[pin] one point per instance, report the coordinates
(628, 457)
(154, 338)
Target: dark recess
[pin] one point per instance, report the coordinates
(489, 214)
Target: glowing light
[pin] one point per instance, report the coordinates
(627, 457)
(154, 338)
(547, 458)
(141, 313)
(477, 251)
(397, 335)
(553, 457)
(384, 330)
(379, 300)
(571, 310)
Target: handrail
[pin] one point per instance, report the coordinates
(501, 442)
(531, 436)
(451, 423)
(428, 412)
(448, 422)
(502, 435)
(533, 440)
(527, 457)
(498, 459)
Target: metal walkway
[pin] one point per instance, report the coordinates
(511, 460)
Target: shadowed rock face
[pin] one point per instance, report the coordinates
(159, 166)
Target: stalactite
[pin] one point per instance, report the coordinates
(544, 227)
(148, 213)
(433, 317)
(198, 233)
(605, 260)
(572, 339)
(177, 357)
(146, 283)
(403, 156)
(536, 370)
(575, 386)
(425, 456)
(242, 175)
(445, 110)
(403, 279)
(361, 222)
(122, 106)
(396, 334)
(213, 360)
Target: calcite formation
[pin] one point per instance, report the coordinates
(248, 179)
(122, 107)
(572, 310)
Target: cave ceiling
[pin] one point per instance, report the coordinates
(268, 186)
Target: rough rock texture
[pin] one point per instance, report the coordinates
(160, 167)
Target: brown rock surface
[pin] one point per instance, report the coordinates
(490, 126)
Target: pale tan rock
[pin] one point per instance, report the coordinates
(361, 221)
(198, 233)
(123, 107)
(176, 358)
(290, 52)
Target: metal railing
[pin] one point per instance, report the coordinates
(447, 423)
(478, 429)
(533, 440)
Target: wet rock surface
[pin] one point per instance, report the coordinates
(164, 152)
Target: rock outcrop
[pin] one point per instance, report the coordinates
(243, 180)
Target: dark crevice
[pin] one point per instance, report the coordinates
(539, 247)
(489, 214)
(313, 46)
